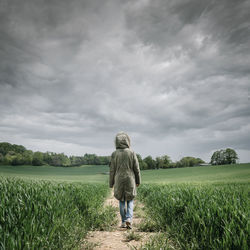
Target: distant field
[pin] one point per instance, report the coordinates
(86, 174)
(99, 174)
(208, 174)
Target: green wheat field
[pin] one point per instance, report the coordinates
(54, 207)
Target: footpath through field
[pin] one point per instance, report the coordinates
(118, 238)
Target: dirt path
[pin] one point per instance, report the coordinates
(118, 238)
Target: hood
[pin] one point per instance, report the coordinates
(122, 141)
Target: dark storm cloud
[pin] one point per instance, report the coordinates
(173, 74)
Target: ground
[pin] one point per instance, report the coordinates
(99, 174)
(118, 238)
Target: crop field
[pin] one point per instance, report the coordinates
(99, 174)
(83, 174)
(44, 215)
(199, 216)
(237, 173)
(53, 207)
(199, 207)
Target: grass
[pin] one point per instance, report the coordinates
(132, 235)
(161, 242)
(208, 174)
(99, 174)
(197, 208)
(199, 216)
(86, 174)
(46, 215)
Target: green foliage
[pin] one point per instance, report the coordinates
(27, 157)
(9, 157)
(132, 235)
(201, 217)
(38, 159)
(43, 215)
(106, 219)
(159, 241)
(224, 156)
(18, 155)
(17, 159)
(142, 164)
(89, 159)
(163, 161)
(60, 160)
(189, 161)
(150, 162)
(6, 147)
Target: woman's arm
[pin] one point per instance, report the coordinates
(136, 169)
(112, 169)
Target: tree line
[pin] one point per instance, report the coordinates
(165, 162)
(12, 154)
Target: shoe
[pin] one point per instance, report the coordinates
(129, 224)
(123, 225)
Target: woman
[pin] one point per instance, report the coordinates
(124, 176)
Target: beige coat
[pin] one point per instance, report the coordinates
(124, 169)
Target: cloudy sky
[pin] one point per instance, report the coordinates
(173, 74)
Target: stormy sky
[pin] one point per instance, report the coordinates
(173, 74)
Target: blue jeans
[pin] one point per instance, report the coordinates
(126, 213)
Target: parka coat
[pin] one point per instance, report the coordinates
(124, 169)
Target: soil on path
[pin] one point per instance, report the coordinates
(118, 238)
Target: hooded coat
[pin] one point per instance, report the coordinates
(124, 169)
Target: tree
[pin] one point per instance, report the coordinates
(142, 164)
(65, 160)
(151, 163)
(230, 156)
(9, 157)
(1, 158)
(76, 160)
(37, 159)
(27, 157)
(163, 161)
(60, 160)
(104, 160)
(224, 156)
(18, 159)
(215, 159)
(12, 154)
(6, 147)
(47, 157)
(189, 161)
